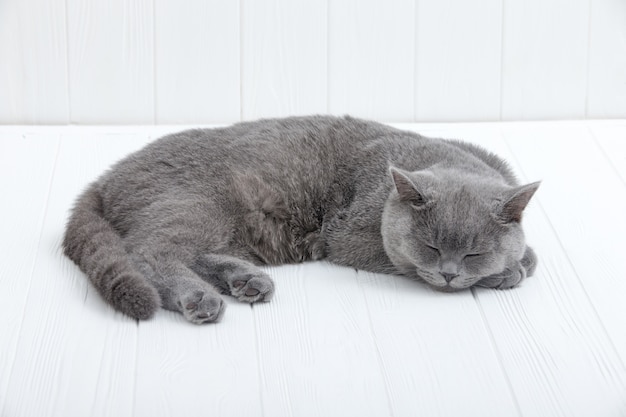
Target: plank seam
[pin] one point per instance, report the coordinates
(571, 264)
(67, 64)
(154, 64)
(32, 269)
(502, 16)
(257, 350)
(241, 35)
(588, 69)
(379, 357)
(134, 400)
(494, 345)
(605, 154)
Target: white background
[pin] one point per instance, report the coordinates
(216, 61)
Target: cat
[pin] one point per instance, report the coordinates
(193, 214)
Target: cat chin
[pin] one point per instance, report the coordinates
(449, 288)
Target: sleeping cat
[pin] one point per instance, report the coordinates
(193, 214)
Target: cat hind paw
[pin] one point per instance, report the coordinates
(251, 288)
(202, 307)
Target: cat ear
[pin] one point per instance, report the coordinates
(515, 202)
(409, 189)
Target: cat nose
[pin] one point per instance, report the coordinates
(448, 276)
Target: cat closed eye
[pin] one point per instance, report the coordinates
(433, 248)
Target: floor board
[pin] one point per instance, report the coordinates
(558, 345)
(333, 341)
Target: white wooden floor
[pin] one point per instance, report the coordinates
(334, 341)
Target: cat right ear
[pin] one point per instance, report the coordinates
(408, 189)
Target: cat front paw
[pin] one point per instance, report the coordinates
(253, 287)
(202, 307)
(506, 279)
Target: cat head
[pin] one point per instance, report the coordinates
(452, 229)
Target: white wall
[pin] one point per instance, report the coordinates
(211, 61)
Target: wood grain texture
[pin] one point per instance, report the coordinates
(544, 61)
(21, 220)
(184, 369)
(33, 63)
(333, 342)
(317, 355)
(197, 61)
(457, 60)
(371, 68)
(551, 341)
(585, 210)
(111, 62)
(612, 141)
(283, 58)
(606, 95)
(434, 346)
(75, 355)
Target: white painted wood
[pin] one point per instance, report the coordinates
(458, 60)
(209, 61)
(33, 62)
(585, 208)
(371, 68)
(283, 57)
(612, 141)
(21, 220)
(111, 61)
(184, 369)
(75, 355)
(550, 339)
(432, 347)
(197, 61)
(316, 353)
(333, 342)
(606, 95)
(544, 61)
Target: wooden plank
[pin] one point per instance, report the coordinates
(555, 350)
(606, 95)
(197, 61)
(612, 141)
(33, 73)
(544, 65)
(371, 71)
(316, 353)
(111, 62)
(586, 209)
(75, 355)
(184, 368)
(283, 58)
(433, 346)
(26, 170)
(458, 60)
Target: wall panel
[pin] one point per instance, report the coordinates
(33, 62)
(197, 61)
(458, 60)
(211, 61)
(544, 68)
(283, 58)
(607, 59)
(371, 58)
(111, 63)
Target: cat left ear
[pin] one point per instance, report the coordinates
(515, 203)
(407, 189)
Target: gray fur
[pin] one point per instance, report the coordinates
(192, 215)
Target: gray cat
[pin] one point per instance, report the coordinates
(191, 215)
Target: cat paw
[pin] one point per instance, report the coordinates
(202, 307)
(506, 279)
(251, 288)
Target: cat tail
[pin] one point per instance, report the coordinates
(92, 243)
